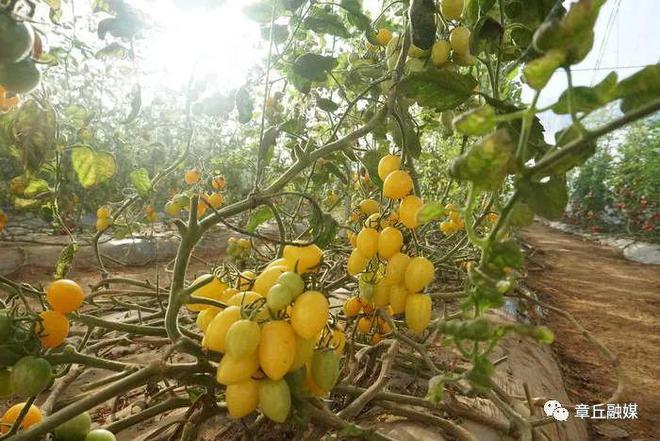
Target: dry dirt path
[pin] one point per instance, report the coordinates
(619, 302)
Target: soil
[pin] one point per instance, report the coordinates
(616, 300)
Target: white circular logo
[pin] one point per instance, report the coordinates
(550, 406)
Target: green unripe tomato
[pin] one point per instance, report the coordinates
(30, 376)
(275, 399)
(100, 435)
(242, 338)
(296, 381)
(325, 368)
(440, 52)
(459, 38)
(293, 281)
(76, 429)
(278, 297)
(548, 36)
(452, 9)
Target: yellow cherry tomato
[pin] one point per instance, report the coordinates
(397, 184)
(419, 273)
(309, 314)
(191, 177)
(383, 36)
(357, 262)
(277, 349)
(216, 330)
(352, 307)
(390, 242)
(398, 296)
(303, 258)
(367, 242)
(65, 295)
(387, 165)
(408, 209)
(236, 370)
(52, 329)
(33, 416)
(418, 312)
(369, 206)
(242, 398)
(396, 267)
(212, 290)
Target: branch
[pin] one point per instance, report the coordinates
(555, 157)
(326, 418)
(447, 426)
(360, 402)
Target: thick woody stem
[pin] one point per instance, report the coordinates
(360, 402)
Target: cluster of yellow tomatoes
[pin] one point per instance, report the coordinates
(181, 201)
(455, 48)
(390, 278)
(274, 335)
(239, 249)
(459, 37)
(454, 222)
(64, 296)
(30, 375)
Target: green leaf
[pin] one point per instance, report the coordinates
(267, 147)
(335, 170)
(430, 212)
(323, 228)
(422, 23)
(65, 260)
(521, 215)
(262, 11)
(244, 105)
(480, 374)
(326, 104)
(258, 217)
(548, 199)
(292, 5)
(436, 389)
(280, 33)
(505, 254)
(114, 50)
(325, 22)
(538, 72)
(314, 67)
(487, 163)
(91, 167)
(577, 157)
(640, 88)
(36, 187)
(486, 35)
(141, 182)
(405, 137)
(370, 161)
(588, 99)
(476, 122)
(354, 14)
(439, 89)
